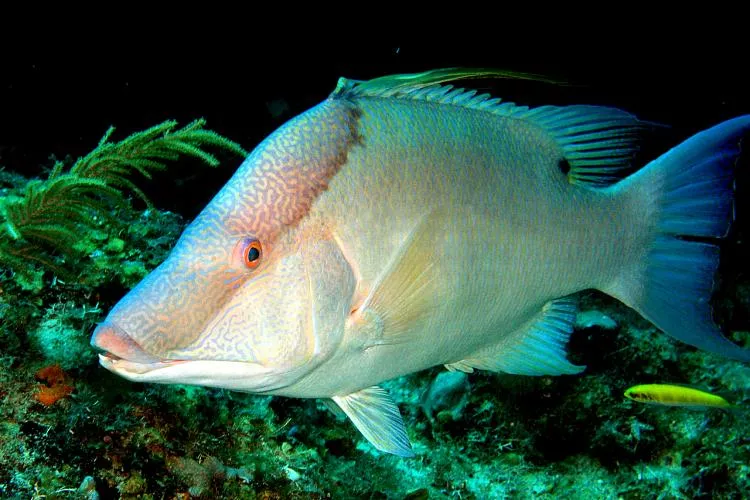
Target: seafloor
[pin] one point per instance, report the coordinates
(70, 429)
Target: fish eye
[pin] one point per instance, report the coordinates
(248, 252)
(251, 254)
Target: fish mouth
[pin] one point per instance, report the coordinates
(124, 357)
(119, 365)
(123, 353)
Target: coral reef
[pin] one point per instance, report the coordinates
(69, 429)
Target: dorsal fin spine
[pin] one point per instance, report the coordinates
(598, 142)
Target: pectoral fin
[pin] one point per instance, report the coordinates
(413, 283)
(376, 416)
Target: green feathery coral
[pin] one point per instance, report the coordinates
(52, 213)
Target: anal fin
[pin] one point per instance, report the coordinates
(460, 366)
(537, 349)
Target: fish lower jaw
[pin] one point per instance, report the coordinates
(122, 366)
(233, 375)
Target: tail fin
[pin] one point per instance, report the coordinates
(692, 192)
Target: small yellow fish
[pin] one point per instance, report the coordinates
(675, 395)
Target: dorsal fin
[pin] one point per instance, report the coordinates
(405, 84)
(598, 142)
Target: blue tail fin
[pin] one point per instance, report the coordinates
(692, 191)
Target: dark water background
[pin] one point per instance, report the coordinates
(60, 100)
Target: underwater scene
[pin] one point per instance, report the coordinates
(389, 273)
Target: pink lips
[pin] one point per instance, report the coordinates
(119, 345)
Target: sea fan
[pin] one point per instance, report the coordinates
(52, 213)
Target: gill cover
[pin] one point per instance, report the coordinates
(288, 319)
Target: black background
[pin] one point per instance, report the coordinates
(58, 97)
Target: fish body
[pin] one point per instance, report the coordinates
(675, 395)
(402, 224)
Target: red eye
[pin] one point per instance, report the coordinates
(252, 253)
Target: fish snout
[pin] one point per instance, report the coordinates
(119, 345)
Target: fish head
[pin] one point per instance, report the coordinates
(256, 291)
